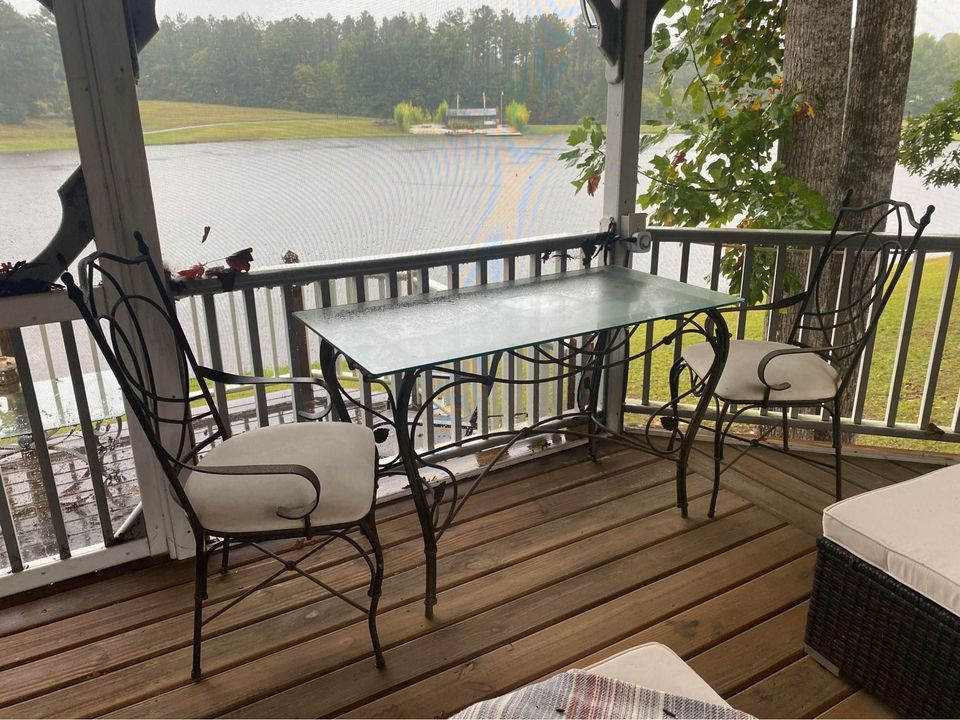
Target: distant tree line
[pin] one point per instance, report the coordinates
(364, 66)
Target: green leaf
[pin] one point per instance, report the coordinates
(671, 8)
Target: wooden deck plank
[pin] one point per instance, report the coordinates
(178, 599)
(760, 494)
(860, 705)
(500, 605)
(331, 694)
(402, 592)
(802, 689)
(553, 649)
(534, 528)
(25, 612)
(752, 655)
(554, 564)
(888, 469)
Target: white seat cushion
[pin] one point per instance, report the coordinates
(657, 667)
(343, 456)
(810, 376)
(910, 530)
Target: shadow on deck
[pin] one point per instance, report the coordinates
(557, 562)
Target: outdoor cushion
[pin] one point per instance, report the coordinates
(810, 376)
(657, 667)
(909, 530)
(342, 455)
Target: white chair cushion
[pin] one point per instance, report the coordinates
(343, 456)
(910, 530)
(657, 667)
(810, 376)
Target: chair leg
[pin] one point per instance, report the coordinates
(838, 463)
(200, 593)
(225, 556)
(718, 436)
(369, 529)
(786, 430)
(675, 373)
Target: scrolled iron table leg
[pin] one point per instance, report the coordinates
(407, 451)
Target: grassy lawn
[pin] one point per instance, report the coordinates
(878, 388)
(169, 123)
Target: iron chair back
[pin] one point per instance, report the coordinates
(870, 267)
(117, 320)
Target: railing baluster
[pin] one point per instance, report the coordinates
(90, 444)
(866, 362)
(197, 337)
(47, 355)
(510, 265)
(648, 332)
(715, 266)
(366, 394)
(903, 343)
(684, 272)
(292, 298)
(393, 289)
(235, 332)
(216, 354)
(814, 259)
(427, 375)
(533, 395)
(483, 397)
(9, 530)
(456, 419)
(40, 448)
(776, 290)
(558, 348)
(272, 328)
(939, 342)
(256, 354)
(746, 279)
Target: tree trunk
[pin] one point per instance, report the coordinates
(879, 73)
(816, 58)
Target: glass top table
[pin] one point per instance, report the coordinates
(412, 335)
(417, 331)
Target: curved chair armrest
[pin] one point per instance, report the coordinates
(231, 379)
(281, 469)
(774, 354)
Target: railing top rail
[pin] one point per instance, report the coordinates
(414, 260)
(808, 238)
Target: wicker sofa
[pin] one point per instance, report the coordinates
(885, 608)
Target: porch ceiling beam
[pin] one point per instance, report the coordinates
(100, 74)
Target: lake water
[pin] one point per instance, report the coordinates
(337, 198)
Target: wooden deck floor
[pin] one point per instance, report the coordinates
(555, 563)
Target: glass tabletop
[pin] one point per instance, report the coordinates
(58, 404)
(418, 331)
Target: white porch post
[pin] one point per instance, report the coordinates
(620, 171)
(99, 73)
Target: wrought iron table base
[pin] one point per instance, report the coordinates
(597, 352)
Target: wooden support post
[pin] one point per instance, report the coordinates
(620, 172)
(100, 78)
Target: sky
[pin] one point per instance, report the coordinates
(936, 17)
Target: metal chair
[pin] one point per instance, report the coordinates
(324, 485)
(815, 365)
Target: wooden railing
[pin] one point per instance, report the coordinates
(249, 329)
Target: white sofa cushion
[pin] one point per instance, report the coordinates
(910, 530)
(343, 456)
(810, 376)
(657, 667)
